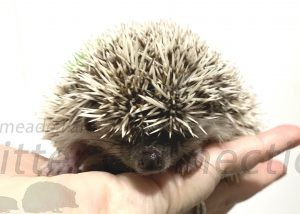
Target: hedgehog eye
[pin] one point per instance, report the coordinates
(90, 125)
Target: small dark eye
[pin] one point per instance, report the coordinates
(90, 125)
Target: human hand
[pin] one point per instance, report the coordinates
(168, 192)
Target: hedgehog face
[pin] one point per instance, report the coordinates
(150, 154)
(146, 153)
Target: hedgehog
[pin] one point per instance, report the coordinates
(145, 98)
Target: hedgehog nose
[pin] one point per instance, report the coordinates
(150, 161)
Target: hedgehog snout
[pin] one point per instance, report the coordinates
(150, 159)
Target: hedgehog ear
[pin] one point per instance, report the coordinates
(90, 125)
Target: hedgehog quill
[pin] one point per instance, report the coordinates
(145, 98)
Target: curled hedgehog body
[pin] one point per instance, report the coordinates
(145, 98)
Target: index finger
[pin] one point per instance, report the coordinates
(244, 153)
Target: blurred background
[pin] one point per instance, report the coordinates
(261, 38)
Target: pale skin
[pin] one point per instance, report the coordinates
(168, 192)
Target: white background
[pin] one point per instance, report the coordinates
(262, 38)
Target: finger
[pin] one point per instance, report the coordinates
(19, 162)
(246, 152)
(227, 195)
